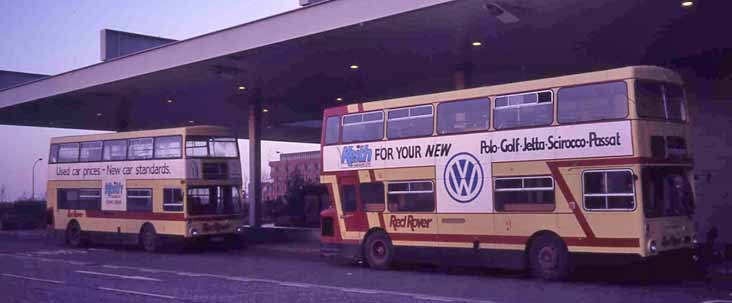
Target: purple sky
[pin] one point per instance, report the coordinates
(50, 37)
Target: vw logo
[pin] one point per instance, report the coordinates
(463, 177)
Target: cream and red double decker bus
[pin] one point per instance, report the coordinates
(146, 187)
(541, 174)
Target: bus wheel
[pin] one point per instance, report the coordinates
(378, 251)
(549, 258)
(73, 234)
(148, 238)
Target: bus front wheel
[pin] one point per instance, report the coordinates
(73, 234)
(149, 238)
(378, 251)
(549, 258)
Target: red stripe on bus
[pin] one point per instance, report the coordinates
(135, 215)
(567, 193)
(564, 188)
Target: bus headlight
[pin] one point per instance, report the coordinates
(240, 229)
(652, 247)
(194, 232)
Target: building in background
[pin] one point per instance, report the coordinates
(305, 164)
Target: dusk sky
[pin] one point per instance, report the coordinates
(51, 37)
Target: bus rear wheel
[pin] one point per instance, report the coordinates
(549, 258)
(73, 234)
(378, 251)
(149, 238)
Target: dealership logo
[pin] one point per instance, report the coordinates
(356, 156)
(463, 177)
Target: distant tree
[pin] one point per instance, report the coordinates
(2, 193)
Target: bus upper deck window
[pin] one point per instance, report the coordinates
(115, 150)
(463, 116)
(332, 129)
(68, 152)
(410, 122)
(362, 127)
(141, 148)
(91, 151)
(592, 102)
(167, 147)
(523, 110)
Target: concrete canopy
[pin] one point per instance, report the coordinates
(297, 63)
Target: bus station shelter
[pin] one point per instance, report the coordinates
(271, 79)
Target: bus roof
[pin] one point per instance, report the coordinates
(210, 130)
(655, 73)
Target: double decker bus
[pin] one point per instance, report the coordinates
(540, 175)
(146, 187)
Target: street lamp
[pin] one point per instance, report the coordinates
(33, 182)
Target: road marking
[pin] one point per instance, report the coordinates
(117, 276)
(308, 285)
(430, 298)
(358, 290)
(57, 252)
(139, 293)
(293, 284)
(33, 279)
(24, 257)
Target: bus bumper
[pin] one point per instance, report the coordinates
(340, 251)
(679, 257)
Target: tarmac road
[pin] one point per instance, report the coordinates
(33, 270)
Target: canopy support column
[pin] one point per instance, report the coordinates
(255, 164)
(463, 75)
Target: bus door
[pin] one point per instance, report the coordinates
(351, 213)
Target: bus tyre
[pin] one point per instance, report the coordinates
(73, 234)
(378, 251)
(149, 238)
(549, 258)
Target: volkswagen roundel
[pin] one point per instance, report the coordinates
(463, 177)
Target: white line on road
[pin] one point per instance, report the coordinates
(317, 286)
(292, 284)
(33, 279)
(24, 257)
(439, 299)
(139, 293)
(117, 276)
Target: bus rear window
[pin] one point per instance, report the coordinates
(363, 127)
(214, 200)
(666, 192)
(658, 100)
(209, 147)
(593, 102)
